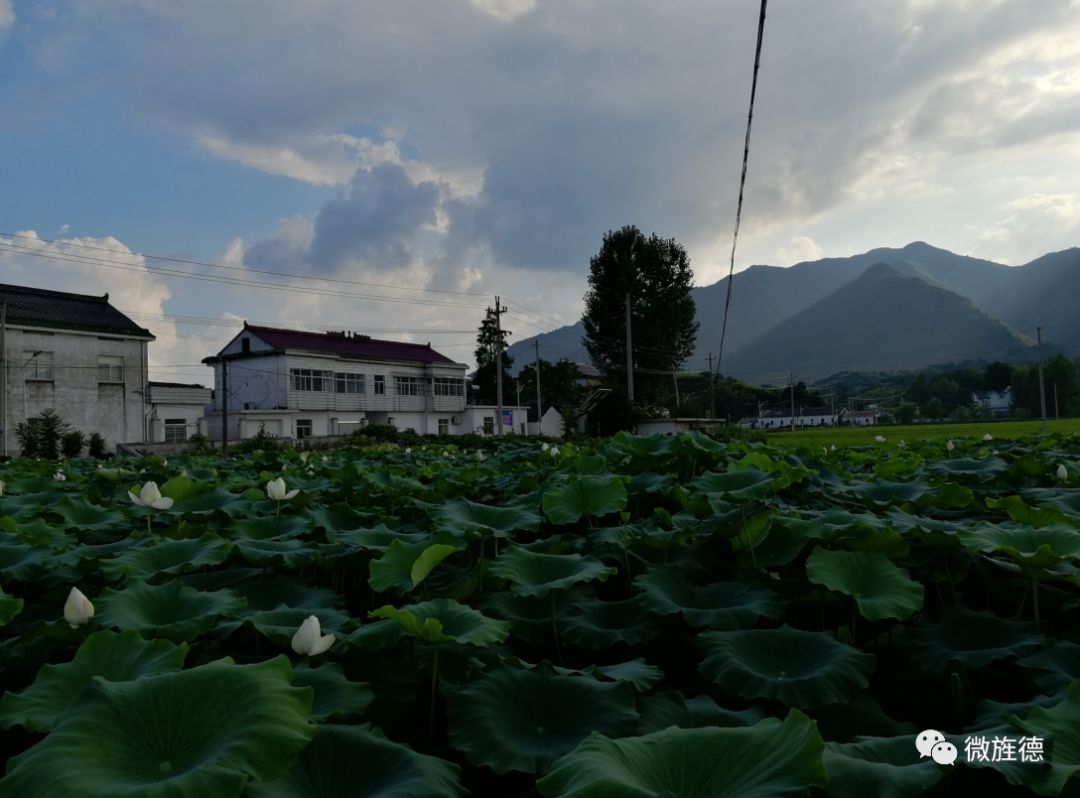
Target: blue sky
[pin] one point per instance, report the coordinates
(484, 147)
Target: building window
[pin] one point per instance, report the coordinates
(110, 368)
(380, 385)
(175, 430)
(311, 379)
(406, 386)
(39, 365)
(303, 428)
(444, 426)
(245, 345)
(348, 383)
(449, 386)
(489, 425)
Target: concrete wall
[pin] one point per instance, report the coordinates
(116, 411)
(175, 402)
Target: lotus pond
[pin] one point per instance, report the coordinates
(642, 617)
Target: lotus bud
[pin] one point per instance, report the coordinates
(988, 437)
(479, 456)
(879, 438)
(77, 609)
(59, 476)
(150, 496)
(2, 486)
(304, 456)
(832, 447)
(902, 445)
(1062, 473)
(275, 489)
(408, 450)
(554, 451)
(311, 472)
(950, 446)
(309, 638)
(544, 447)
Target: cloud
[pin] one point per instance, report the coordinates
(504, 10)
(1051, 219)
(7, 17)
(799, 249)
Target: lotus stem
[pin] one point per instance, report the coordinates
(149, 531)
(434, 686)
(555, 631)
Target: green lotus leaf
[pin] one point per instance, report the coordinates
(799, 668)
(377, 538)
(377, 636)
(880, 588)
(577, 497)
(530, 618)
(770, 759)
(525, 719)
(533, 574)
(878, 767)
(207, 502)
(976, 470)
(359, 762)
(1057, 666)
(269, 594)
(337, 519)
(882, 492)
(200, 732)
(592, 623)
(182, 487)
(996, 714)
(443, 620)
(161, 556)
(335, 695)
(81, 514)
(464, 518)
(949, 496)
(637, 672)
(9, 607)
(402, 563)
(971, 638)
(271, 527)
(39, 532)
(294, 553)
(1020, 512)
(172, 610)
(1059, 728)
(674, 709)
(281, 623)
(741, 484)
(721, 605)
(1029, 547)
(19, 563)
(114, 656)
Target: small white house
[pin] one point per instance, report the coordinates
(551, 424)
(671, 426)
(481, 419)
(861, 418)
(176, 411)
(997, 402)
(76, 354)
(780, 417)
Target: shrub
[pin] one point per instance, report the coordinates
(71, 443)
(95, 446)
(40, 436)
(200, 444)
(262, 441)
(726, 434)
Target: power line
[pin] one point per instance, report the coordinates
(212, 322)
(742, 180)
(67, 243)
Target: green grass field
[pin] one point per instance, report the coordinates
(862, 436)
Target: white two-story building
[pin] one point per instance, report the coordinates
(76, 354)
(297, 384)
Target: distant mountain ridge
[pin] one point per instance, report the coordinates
(931, 306)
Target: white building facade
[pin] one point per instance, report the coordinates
(175, 411)
(75, 354)
(296, 384)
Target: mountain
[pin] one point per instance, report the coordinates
(887, 318)
(765, 298)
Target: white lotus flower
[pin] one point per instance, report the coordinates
(311, 472)
(950, 446)
(988, 437)
(325, 459)
(408, 450)
(284, 466)
(902, 445)
(479, 456)
(150, 496)
(554, 451)
(59, 476)
(275, 489)
(446, 453)
(164, 461)
(1062, 474)
(544, 447)
(77, 609)
(309, 638)
(2, 486)
(879, 438)
(304, 456)
(832, 447)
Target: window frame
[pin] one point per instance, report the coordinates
(308, 425)
(170, 425)
(380, 385)
(111, 377)
(35, 363)
(444, 426)
(448, 386)
(407, 381)
(350, 383)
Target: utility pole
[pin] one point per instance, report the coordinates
(712, 390)
(1057, 410)
(3, 387)
(498, 366)
(224, 406)
(629, 353)
(1042, 387)
(675, 378)
(792, 380)
(539, 407)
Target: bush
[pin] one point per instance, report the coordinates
(40, 436)
(95, 446)
(200, 444)
(387, 433)
(71, 444)
(727, 434)
(262, 441)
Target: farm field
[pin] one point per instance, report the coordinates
(864, 436)
(637, 617)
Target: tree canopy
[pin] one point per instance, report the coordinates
(489, 341)
(656, 273)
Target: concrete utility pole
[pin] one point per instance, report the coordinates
(712, 391)
(224, 406)
(1042, 387)
(498, 366)
(629, 353)
(792, 380)
(539, 407)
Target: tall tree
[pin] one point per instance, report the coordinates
(558, 386)
(655, 272)
(490, 344)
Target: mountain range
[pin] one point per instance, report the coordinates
(882, 310)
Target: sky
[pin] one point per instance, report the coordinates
(405, 162)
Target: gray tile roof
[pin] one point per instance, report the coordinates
(37, 307)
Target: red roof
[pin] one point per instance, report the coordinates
(346, 345)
